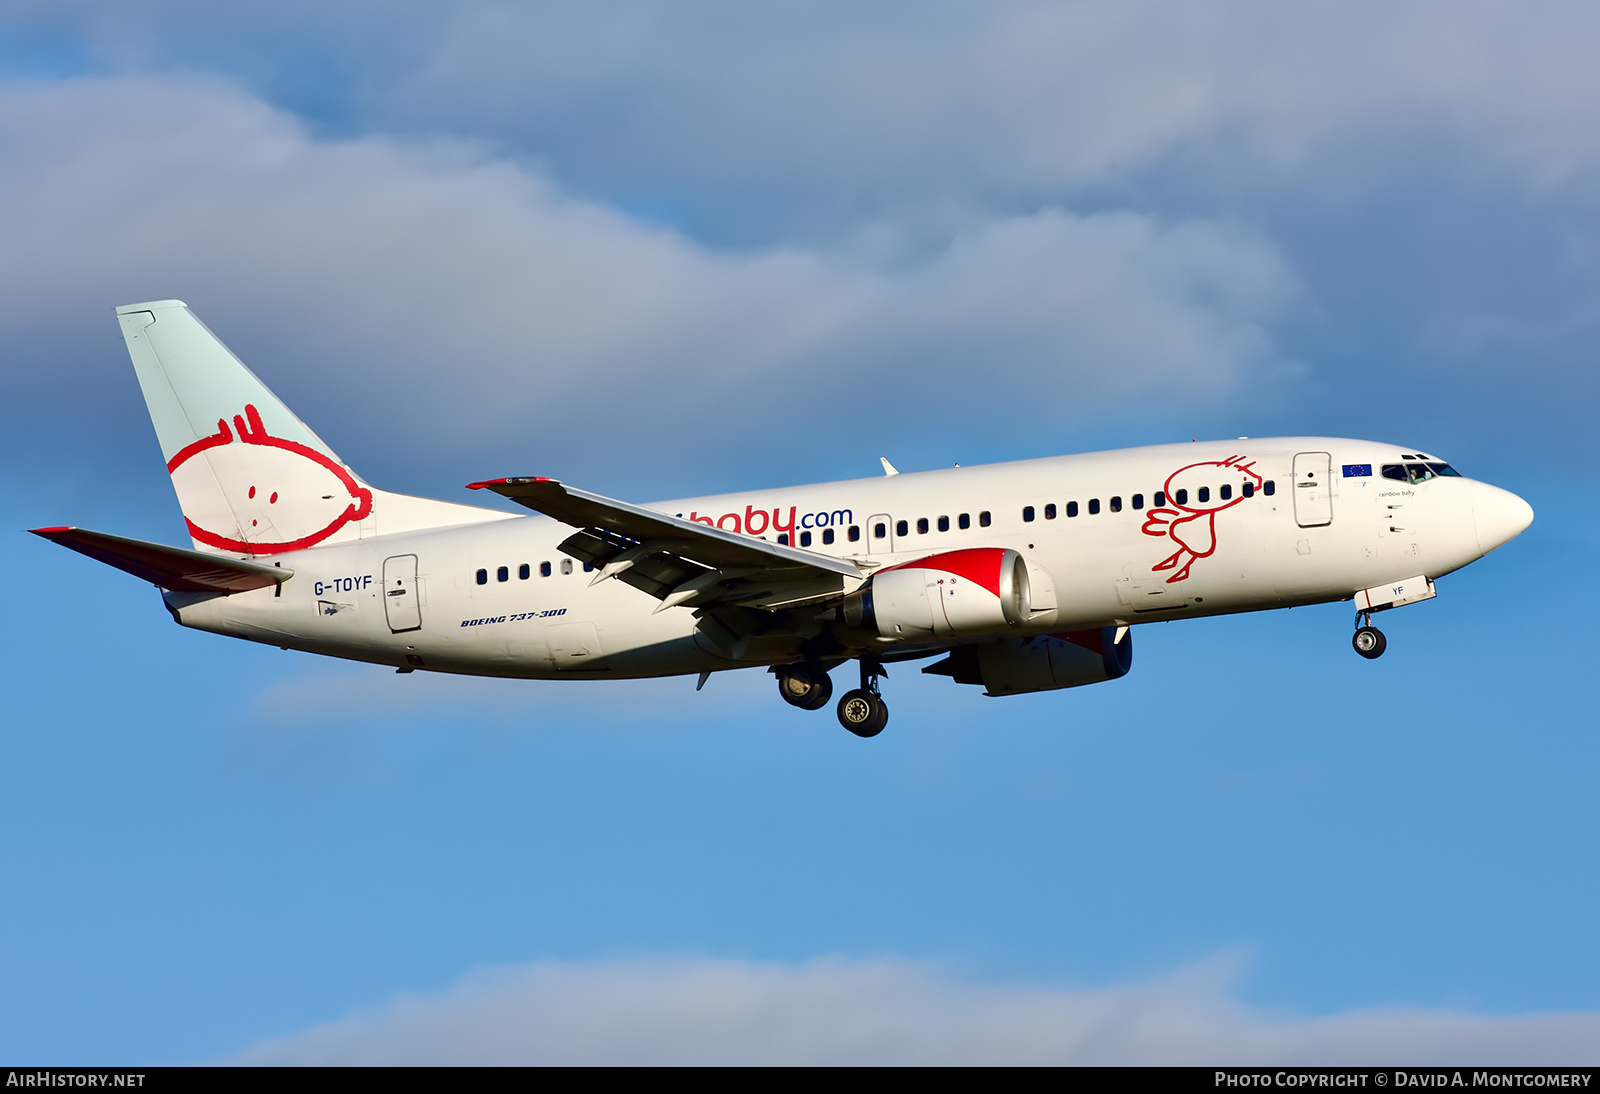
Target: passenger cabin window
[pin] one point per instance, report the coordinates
(1205, 493)
(588, 567)
(1094, 506)
(1181, 497)
(983, 519)
(1248, 490)
(1138, 501)
(901, 528)
(944, 524)
(1268, 488)
(783, 538)
(827, 535)
(1161, 498)
(1027, 512)
(544, 569)
(1116, 505)
(880, 530)
(1072, 508)
(805, 539)
(483, 577)
(503, 574)
(922, 526)
(1226, 492)
(1050, 511)
(964, 521)
(854, 534)
(566, 565)
(524, 572)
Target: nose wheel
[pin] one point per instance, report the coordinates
(863, 711)
(1368, 640)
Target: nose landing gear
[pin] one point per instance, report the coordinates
(1368, 640)
(863, 711)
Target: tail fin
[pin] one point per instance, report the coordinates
(251, 477)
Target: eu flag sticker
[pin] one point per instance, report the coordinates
(1358, 470)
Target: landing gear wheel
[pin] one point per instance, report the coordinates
(805, 686)
(863, 712)
(1369, 642)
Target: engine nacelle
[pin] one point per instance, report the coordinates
(982, 590)
(1014, 666)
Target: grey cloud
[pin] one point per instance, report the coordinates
(859, 101)
(894, 1012)
(753, 123)
(432, 292)
(1017, 94)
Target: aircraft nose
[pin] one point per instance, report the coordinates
(1499, 516)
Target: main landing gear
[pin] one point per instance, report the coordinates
(862, 711)
(805, 686)
(1368, 640)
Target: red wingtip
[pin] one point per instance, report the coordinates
(501, 482)
(46, 531)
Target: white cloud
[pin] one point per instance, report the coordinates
(432, 292)
(681, 1011)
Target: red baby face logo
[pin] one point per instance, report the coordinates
(276, 494)
(1197, 493)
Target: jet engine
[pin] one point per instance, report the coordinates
(1013, 666)
(982, 590)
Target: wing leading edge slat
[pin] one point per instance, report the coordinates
(673, 559)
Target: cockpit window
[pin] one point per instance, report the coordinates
(1418, 472)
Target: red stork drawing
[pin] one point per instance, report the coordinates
(1192, 521)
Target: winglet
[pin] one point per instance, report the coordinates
(888, 468)
(490, 484)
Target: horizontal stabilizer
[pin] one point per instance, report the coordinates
(171, 568)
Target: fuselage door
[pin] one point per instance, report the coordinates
(880, 535)
(1313, 489)
(401, 604)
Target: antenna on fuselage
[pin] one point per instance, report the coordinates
(888, 468)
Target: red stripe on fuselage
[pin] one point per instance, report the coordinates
(980, 564)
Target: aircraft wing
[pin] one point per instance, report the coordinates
(680, 561)
(171, 568)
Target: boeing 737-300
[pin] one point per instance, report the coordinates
(1023, 577)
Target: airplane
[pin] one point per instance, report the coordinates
(1023, 577)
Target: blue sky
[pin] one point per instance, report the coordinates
(666, 249)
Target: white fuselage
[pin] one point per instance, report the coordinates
(1314, 534)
